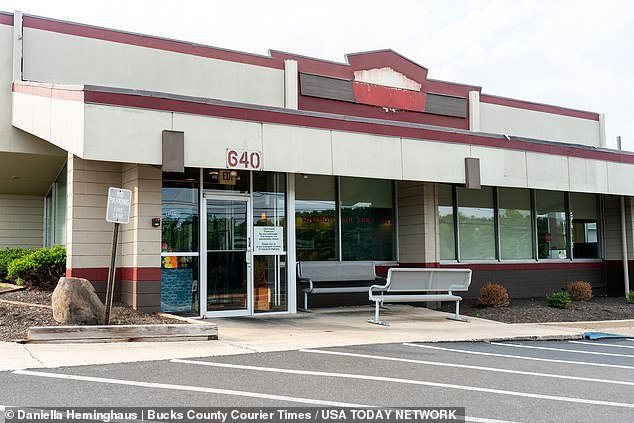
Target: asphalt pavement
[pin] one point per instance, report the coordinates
(536, 381)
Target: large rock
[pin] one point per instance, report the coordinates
(75, 302)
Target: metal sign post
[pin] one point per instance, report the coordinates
(117, 212)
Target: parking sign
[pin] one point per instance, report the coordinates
(118, 208)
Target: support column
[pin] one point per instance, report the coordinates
(417, 223)
(88, 235)
(140, 242)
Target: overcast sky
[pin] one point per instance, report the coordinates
(575, 53)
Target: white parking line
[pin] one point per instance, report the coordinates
(466, 366)
(189, 388)
(533, 347)
(521, 357)
(594, 344)
(408, 382)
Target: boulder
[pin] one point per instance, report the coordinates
(75, 302)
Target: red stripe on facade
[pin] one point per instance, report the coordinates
(340, 123)
(316, 66)
(388, 97)
(148, 41)
(6, 19)
(139, 274)
(526, 105)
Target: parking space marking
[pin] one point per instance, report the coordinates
(600, 344)
(521, 357)
(467, 366)
(190, 388)
(534, 347)
(408, 382)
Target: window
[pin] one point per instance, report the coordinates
(269, 269)
(366, 219)
(516, 228)
(584, 217)
(551, 225)
(446, 222)
(179, 244)
(365, 230)
(555, 222)
(476, 223)
(315, 200)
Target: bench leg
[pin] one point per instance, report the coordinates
(305, 309)
(457, 316)
(376, 320)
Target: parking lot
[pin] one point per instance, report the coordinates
(509, 381)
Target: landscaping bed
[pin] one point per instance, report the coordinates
(535, 310)
(20, 310)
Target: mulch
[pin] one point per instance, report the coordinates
(535, 310)
(16, 319)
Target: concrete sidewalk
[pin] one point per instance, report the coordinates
(323, 328)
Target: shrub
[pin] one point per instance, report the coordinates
(7, 256)
(630, 297)
(494, 295)
(580, 290)
(42, 267)
(558, 300)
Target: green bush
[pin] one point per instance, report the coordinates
(7, 256)
(42, 267)
(630, 297)
(558, 300)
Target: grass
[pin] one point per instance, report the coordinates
(3, 286)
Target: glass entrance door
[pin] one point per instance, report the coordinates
(228, 255)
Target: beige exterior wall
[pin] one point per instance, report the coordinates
(499, 119)
(417, 222)
(140, 242)
(88, 235)
(612, 227)
(68, 59)
(11, 139)
(21, 221)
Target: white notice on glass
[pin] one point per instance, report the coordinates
(268, 240)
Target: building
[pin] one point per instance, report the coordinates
(242, 165)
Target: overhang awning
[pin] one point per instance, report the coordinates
(123, 125)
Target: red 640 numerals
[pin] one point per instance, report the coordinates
(244, 159)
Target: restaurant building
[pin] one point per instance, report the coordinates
(242, 165)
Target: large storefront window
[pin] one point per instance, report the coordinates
(551, 225)
(516, 233)
(179, 246)
(366, 219)
(315, 200)
(476, 223)
(446, 222)
(549, 219)
(584, 216)
(269, 232)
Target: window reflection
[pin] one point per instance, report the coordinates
(366, 219)
(551, 225)
(476, 223)
(315, 217)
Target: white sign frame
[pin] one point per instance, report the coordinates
(118, 205)
(268, 241)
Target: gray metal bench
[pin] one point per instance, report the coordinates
(321, 275)
(420, 285)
